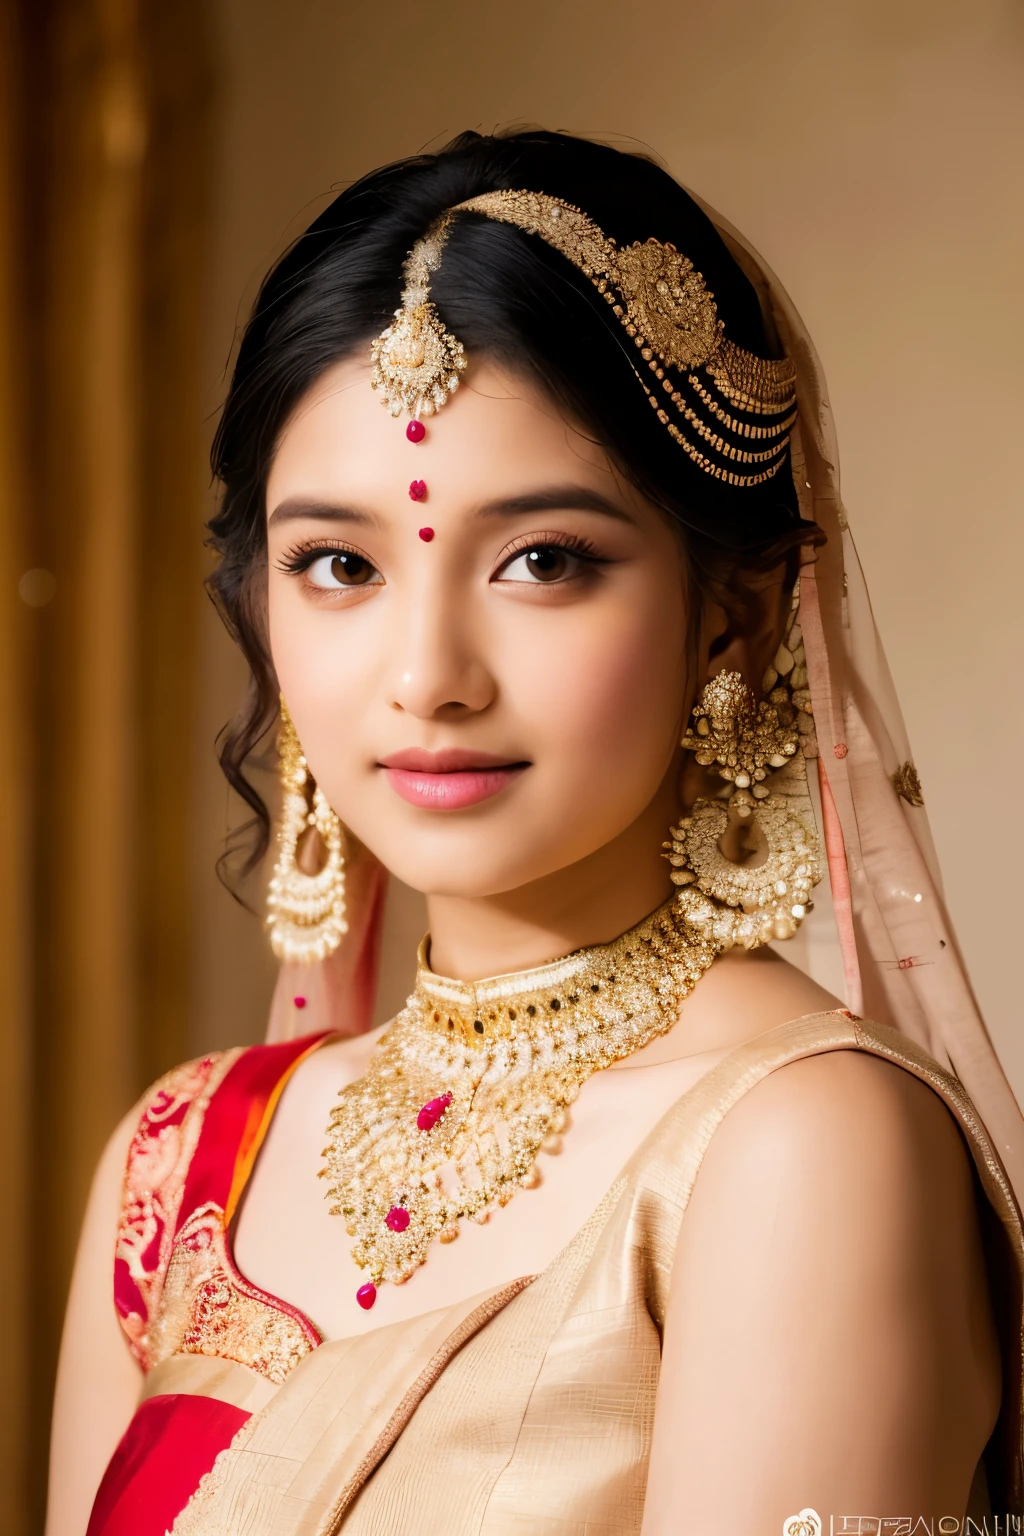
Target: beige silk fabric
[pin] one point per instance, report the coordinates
(531, 1409)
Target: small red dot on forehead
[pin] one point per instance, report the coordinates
(415, 431)
(418, 490)
(426, 534)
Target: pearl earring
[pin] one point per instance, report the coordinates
(760, 748)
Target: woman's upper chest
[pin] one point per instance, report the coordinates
(287, 1242)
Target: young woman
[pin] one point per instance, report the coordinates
(560, 631)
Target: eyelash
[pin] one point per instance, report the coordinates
(299, 559)
(573, 543)
(302, 556)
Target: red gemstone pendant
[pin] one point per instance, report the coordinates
(366, 1295)
(432, 1111)
(415, 431)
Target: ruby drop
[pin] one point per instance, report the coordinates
(432, 1111)
(418, 490)
(397, 1218)
(366, 1295)
(426, 534)
(415, 431)
(300, 1002)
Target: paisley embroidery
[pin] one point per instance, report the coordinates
(158, 1163)
(176, 1286)
(208, 1308)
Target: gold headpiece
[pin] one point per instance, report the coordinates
(664, 305)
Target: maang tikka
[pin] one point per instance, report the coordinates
(416, 360)
(728, 409)
(305, 912)
(760, 749)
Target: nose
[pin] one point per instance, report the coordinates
(439, 672)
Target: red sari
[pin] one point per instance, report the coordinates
(177, 1288)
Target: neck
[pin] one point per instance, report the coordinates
(590, 902)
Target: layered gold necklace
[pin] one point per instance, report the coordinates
(474, 1079)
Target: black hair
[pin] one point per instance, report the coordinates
(508, 296)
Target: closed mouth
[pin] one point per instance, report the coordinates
(451, 779)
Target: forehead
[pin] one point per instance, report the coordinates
(494, 435)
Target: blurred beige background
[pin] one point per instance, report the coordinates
(872, 151)
(153, 162)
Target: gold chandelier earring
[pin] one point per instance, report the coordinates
(760, 748)
(306, 909)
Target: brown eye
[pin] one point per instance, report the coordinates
(545, 562)
(351, 570)
(342, 568)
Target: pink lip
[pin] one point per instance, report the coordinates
(448, 780)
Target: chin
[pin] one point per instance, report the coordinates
(473, 874)
(464, 879)
(484, 852)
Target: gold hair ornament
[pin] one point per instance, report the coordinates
(666, 309)
(416, 361)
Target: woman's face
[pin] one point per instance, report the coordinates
(489, 682)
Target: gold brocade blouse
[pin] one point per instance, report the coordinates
(530, 1409)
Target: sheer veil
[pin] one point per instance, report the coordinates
(900, 958)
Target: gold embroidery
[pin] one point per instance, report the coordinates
(157, 1167)
(192, 1521)
(907, 784)
(207, 1308)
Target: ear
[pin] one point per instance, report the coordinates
(745, 626)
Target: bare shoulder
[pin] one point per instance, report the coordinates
(829, 1301)
(841, 1104)
(862, 1164)
(98, 1380)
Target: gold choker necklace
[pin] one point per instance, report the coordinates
(473, 1080)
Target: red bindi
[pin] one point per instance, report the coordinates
(415, 431)
(426, 534)
(418, 490)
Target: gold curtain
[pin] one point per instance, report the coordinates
(105, 118)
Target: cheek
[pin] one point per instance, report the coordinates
(611, 691)
(322, 674)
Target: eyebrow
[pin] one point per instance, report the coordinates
(554, 498)
(320, 511)
(548, 498)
